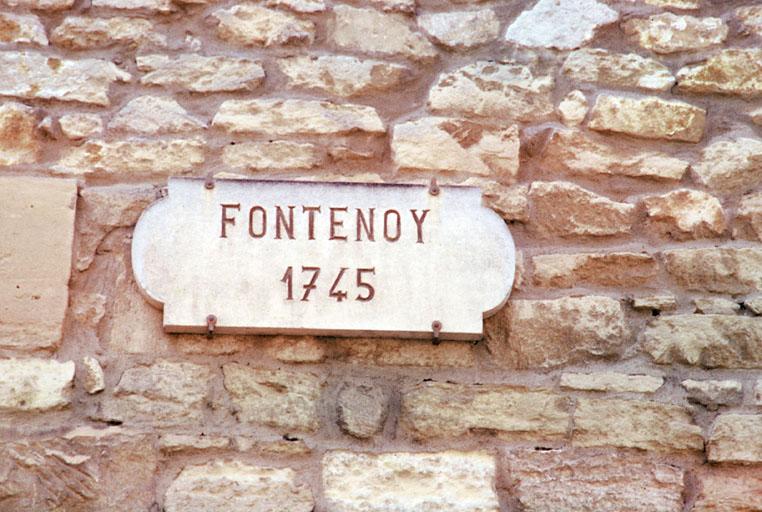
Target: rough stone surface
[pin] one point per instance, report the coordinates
(49, 5)
(22, 28)
(728, 489)
(649, 118)
(19, 139)
(716, 306)
(307, 6)
(751, 18)
(445, 144)
(711, 341)
(406, 482)
(235, 486)
(748, 220)
(655, 302)
(566, 209)
(275, 398)
(713, 393)
(670, 33)
(736, 438)
(342, 75)
(461, 29)
(161, 6)
(758, 392)
(80, 125)
(86, 33)
(573, 108)
(730, 71)
(612, 382)
(639, 424)
(503, 90)
(573, 480)
(174, 443)
(408, 353)
(685, 214)
(151, 115)
(512, 203)
(254, 25)
(198, 73)
(93, 380)
(371, 31)
(362, 409)
(279, 154)
(34, 384)
(596, 65)
(560, 24)
(728, 166)
(720, 270)
(623, 269)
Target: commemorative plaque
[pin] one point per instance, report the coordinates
(268, 257)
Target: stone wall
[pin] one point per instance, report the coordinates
(620, 141)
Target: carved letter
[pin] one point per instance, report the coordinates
(280, 217)
(366, 226)
(419, 223)
(263, 231)
(310, 210)
(398, 227)
(336, 223)
(226, 219)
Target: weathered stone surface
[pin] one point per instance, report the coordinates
(342, 75)
(280, 447)
(639, 424)
(620, 269)
(152, 115)
(716, 306)
(655, 302)
(198, 73)
(456, 145)
(278, 154)
(748, 221)
(503, 90)
(571, 481)
(758, 392)
(235, 486)
(275, 398)
(728, 489)
(729, 71)
(573, 108)
(146, 157)
(596, 65)
(685, 214)
(434, 409)
(93, 380)
(720, 270)
(407, 6)
(561, 24)
(545, 333)
(281, 117)
(754, 304)
(89, 308)
(308, 6)
(648, 118)
(148, 5)
(254, 25)
(174, 443)
(676, 4)
(612, 382)
(461, 29)
(579, 153)
(34, 384)
(566, 209)
(407, 482)
(22, 28)
(449, 354)
(512, 203)
(80, 125)
(162, 394)
(730, 165)
(713, 393)
(711, 341)
(34, 75)
(670, 33)
(751, 18)
(736, 438)
(36, 235)
(48, 5)
(371, 31)
(86, 32)
(19, 140)
(362, 409)
(297, 349)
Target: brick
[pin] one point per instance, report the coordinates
(35, 384)
(721, 270)
(599, 66)
(670, 33)
(736, 438)
(622, 269)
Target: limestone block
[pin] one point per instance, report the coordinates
(685, 214)
(573, 108)
(278, 154)
(19, 139)
(736, 438)
(719, 270)
(362, 409)
(748, 221)
(728, 489)
(599, 66)
(733, 165)
(80, 125)
(35, 384)
(461, 29)
(87, 33)
(199, 73)
(612, 382)
(620, 269)
(713, 393)
(253, 25)
(671, 33)
(22, 28)
(729, 71)
(152, 115)
(93, 379)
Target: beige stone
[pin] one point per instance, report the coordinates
(733, 165)
(729, 71)
(199, 73)
(720, 270)
(716, 306)
(34, 75)
(434, 410)
(751, 18)
(299, 349)
(47, 5)
(748, 221)
(36, 235)
(456, 145)
(754, 304)
(566, 209)
(758, 392)
(86, 32)
(406, 6)
(175, 443)
(80, 125)
(308, 6)
(254, 25)
(572, 481)
(362, 409)
(93, 380)
(503, 90)
(675, 4)
(621, 269)
(461, 29)
(135, 157)
(736, 438)
(612, 382)
(710, 341)
(22, 28)
(281, 117)
(560, 24)
(448, 354)
(579, 153)
(374, 32)
(655, 302)
(713, 393)
(280, 399)
(342, 75)
(406, 482)
(278, 154)
(646, 425)
(671, 33)
(19, 139)
(728, 489)
(236, 487)
(685, 214)
(151, 115)
(89, 308)
(648, 118)
(288, 446)
(161, 6)
(512, 203)
(35, 384)
(599, 66)
(573, 108)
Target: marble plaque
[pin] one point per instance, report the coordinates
(323, 258)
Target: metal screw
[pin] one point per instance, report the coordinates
(211, 322)
(436, 328)
(434, 187)
(209, 183)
